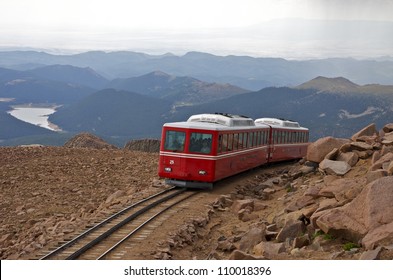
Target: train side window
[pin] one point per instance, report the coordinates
(261, 142)
(174, 140)
(250, 139)
(220, 137)
(244, 142)
(267, 137)
(201, 142)
(224, 143)
(261, 138)
(239, 141)
(230, 142)
(256, 134)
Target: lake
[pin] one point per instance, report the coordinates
(35, 115)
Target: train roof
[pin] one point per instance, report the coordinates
(223, 119)
(217, 121)
(220, 121)
(277, 123)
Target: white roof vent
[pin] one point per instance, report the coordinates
(223, 119)
(277, 122)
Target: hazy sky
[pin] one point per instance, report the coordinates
(219, 26)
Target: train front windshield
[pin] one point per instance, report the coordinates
(197, 142)
(174, 140)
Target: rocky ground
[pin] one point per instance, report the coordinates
(337, 204)
(48, 193)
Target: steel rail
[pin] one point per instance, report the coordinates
(142, 225)
(107, 233)
(102, 223)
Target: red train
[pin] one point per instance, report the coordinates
(209, 147)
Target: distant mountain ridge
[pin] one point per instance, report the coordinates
(343, 85)
(71, 74)
(243, 71)
(324, 84)
(180, 90)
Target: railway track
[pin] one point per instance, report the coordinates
(106, 239)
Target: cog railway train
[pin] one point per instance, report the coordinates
(210, 147)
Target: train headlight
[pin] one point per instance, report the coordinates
(168, 169)
(202, 172)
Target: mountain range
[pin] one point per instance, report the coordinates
(246, 72)
(316, 104)
(136, 107)
(179, 90)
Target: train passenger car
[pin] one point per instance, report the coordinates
(209, 147)
(288, 140)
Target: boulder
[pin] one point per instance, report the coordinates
(301, 241)
(317, 151)
(291, 230)
(376, 156)
(300, 203)
(371, 254)
(364, 154)
(388, 128)
(343, 189)
(351, 158)
(371, 209)
(269, 249)
(361, 146)
(386, 159)
(242, 204)
(369, 130)
(333, 154)
(376, 174)
(334, 167)
(254, 236)
(245, 215)
(382, 235)
(388, 137)
(386, 149)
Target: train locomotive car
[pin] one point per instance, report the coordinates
(209, 147)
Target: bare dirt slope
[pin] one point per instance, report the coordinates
(48, 193)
